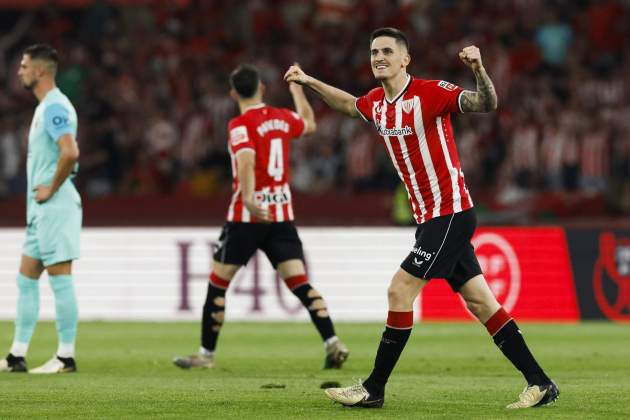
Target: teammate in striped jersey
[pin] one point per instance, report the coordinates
(260, 215)
(413, 118)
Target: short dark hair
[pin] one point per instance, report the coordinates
(244, 80)
(45, 53)
(397, 34)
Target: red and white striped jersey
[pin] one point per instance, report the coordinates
(417, 132)
(267, 131)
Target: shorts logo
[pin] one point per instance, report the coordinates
(446, 85)
(500, 267)
(407, 105)
(611, 277)
(238, 135)
(425, 255)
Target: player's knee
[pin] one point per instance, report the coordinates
(219, 301)
(476, 308)
(396, 295)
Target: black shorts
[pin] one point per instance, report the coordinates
(443, 250)
(239, 241)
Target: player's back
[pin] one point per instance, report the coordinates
(268, 131)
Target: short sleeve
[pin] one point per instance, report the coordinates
(57, 121)
(239, 138)
(297, 125)
(362, 104)
(443, 97)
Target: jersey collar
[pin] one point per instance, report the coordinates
(401, 93)
(257, 106)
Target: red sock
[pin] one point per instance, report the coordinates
(400, 320)
(497, 321)
(217, 281)
(296, 281)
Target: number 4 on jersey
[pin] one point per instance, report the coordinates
(275, 168)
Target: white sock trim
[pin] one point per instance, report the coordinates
(330, 341)
(65, 350)
(205, 352)
(19, 349)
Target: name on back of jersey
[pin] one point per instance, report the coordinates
(274, 124)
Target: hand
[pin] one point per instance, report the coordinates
(257, 211)
(295, 88)
(471, 57)
(43, 193)
(295, 74)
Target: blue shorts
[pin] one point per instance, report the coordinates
(53, 233)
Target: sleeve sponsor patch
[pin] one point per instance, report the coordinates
(446, 85)
(57, 121)
(238, 135)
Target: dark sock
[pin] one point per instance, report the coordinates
(314, 304)
(509, 340)
(393, 341)
(67, 361)
(213, 312)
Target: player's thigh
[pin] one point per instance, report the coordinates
(31, 267)
(59, 235)
(31, 257)
(282, 244)
(466, 268)
(291, 268)
(439, 244)
(225, 271)
(237, 243)
(63, 268)
(403, 289)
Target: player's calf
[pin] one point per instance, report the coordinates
(336, 352)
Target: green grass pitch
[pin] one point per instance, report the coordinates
(447, 371)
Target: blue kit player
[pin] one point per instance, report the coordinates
(54, 215)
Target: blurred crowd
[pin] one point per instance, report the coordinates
(150, 86)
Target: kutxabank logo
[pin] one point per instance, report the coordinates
(611, 277)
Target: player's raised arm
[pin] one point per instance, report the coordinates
(246, 164)
(303, 107)
(337, 99)
(485, 98)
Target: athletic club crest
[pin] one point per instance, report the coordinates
(407, 105)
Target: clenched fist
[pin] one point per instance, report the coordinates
(296, 75)
(471, 57)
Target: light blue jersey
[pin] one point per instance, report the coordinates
(53, 227)
(54, 117)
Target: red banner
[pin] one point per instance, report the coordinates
(528, 270)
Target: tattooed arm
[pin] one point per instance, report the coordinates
(485, 98)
